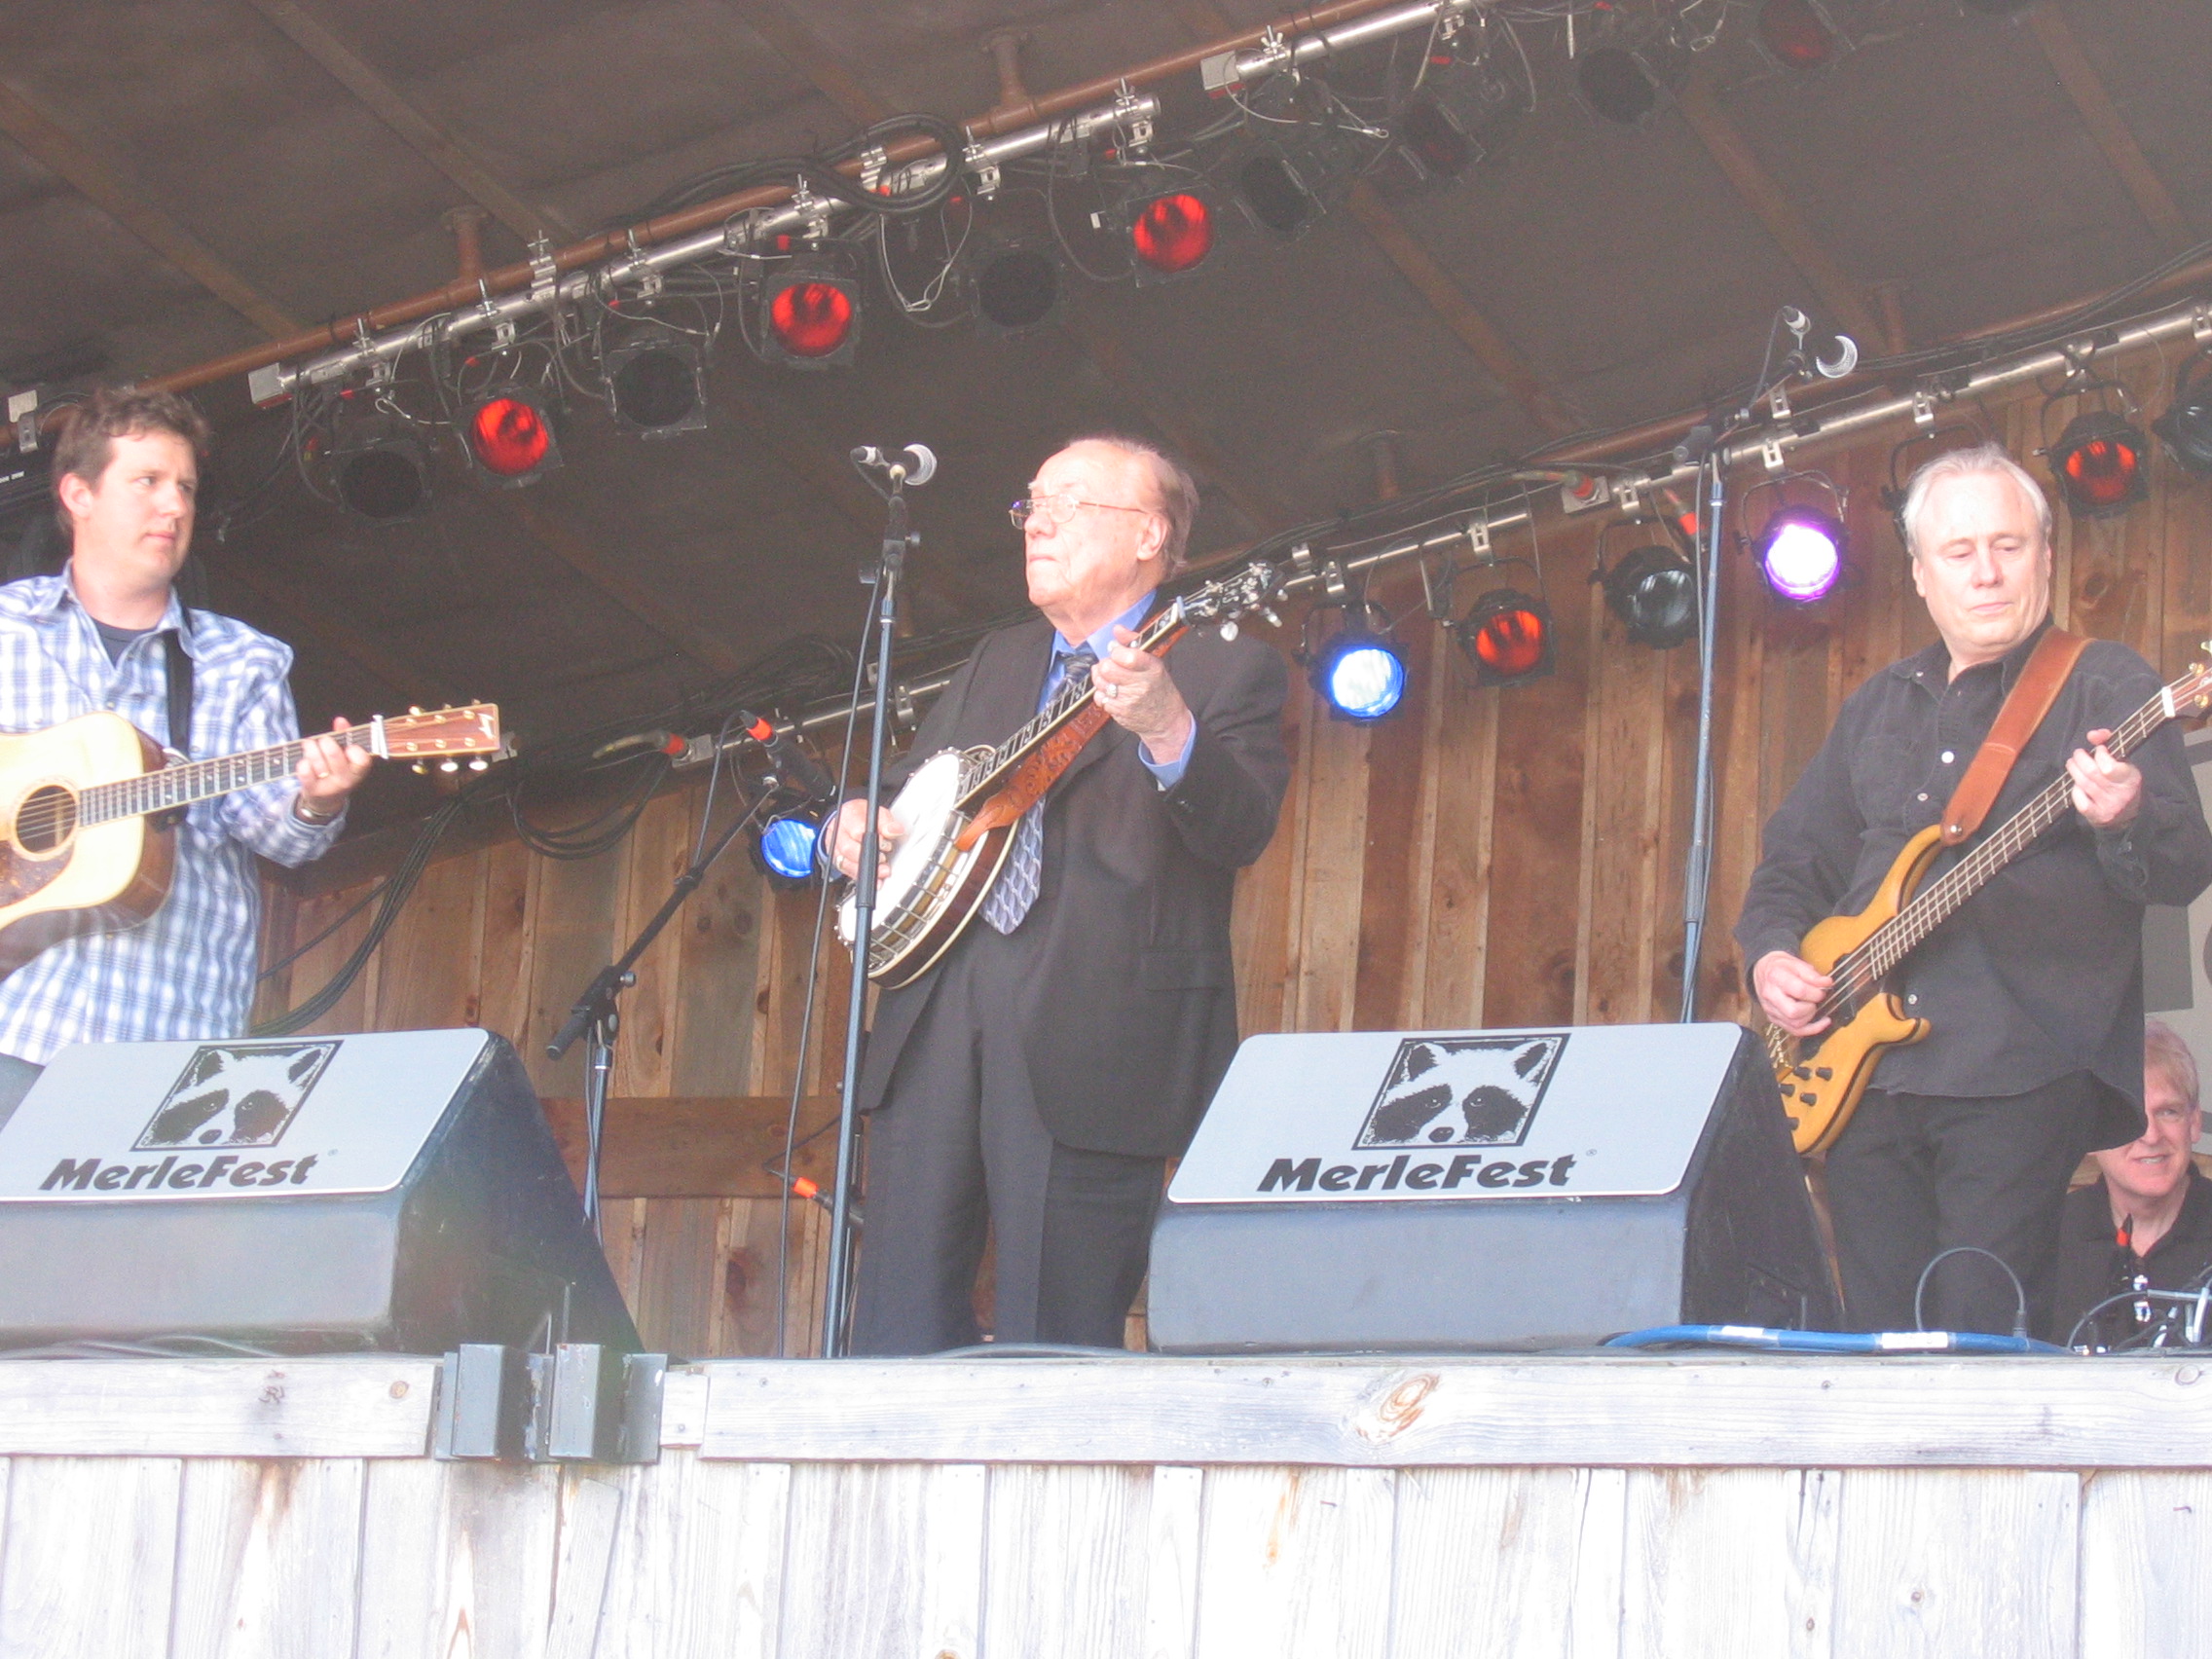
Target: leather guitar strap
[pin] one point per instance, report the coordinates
(2029, 700)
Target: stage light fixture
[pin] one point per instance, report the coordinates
(510, 436)
(1800, 553)
(380, 470)
(2102, 464)
(1360, 673)
(1017, 288)
(1508, 637)
(810, 316)
(2187, 424)
(1171, 235)
(785, 848)
(1616, 85)
(1655, 592)
(1462, 113)
(1796, 33)
(1273, 188)
(657, 381)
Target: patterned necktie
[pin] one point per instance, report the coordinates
(1009, 901)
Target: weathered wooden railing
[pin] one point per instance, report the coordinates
(1341, 1510)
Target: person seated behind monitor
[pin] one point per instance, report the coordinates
(2147, 1221)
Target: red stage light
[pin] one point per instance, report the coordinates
(1795, 33)
(1172, 233)
(1508, 637)
(510, 438)
(811, 318)
(2103, 464)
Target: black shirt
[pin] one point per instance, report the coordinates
(2092, 1263)
(2040, 974)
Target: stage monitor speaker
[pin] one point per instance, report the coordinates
(397, 1191)
(1439, 1190)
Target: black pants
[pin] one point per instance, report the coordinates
(958, 1146)
(1918, 1175)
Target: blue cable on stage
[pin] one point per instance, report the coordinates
(1832, 1342)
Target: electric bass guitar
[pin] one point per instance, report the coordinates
(90, 810)
(1822, 1076)
(959, 807)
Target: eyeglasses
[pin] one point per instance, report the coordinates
(1059, 506)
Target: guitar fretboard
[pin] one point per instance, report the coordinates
(1858, 972)
(200, 780)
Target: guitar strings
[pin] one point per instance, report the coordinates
(1861, 970)
(52, 818)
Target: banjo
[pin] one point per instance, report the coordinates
(960, 806)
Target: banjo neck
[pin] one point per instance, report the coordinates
(1068, 705)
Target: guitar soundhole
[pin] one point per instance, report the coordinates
(46, 820)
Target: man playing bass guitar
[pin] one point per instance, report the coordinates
(106, 634)
(1039, 1076)
(2032, 991)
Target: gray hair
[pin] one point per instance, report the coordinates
(2165, 1052)
(1171, 482)
(1982, 458)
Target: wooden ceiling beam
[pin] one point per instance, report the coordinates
(64, 154)
(2087, 87)
(294, 601)
(1458, 312)
(432, 142)
(641, 601)
(1774, 209)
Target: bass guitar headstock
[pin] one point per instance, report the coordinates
(2191, 696)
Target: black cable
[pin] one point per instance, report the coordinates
(2019, 1292)
(397, 889)
(821, 173)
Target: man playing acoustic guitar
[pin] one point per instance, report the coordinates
(100, 635)
(2034, 990)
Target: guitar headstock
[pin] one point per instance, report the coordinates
(439, 733)
(1234, 595)
(2191, 694)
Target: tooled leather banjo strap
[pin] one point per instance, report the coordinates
(2029, 700)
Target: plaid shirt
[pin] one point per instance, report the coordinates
(188, 970)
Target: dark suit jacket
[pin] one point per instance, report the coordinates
(1130, 1018)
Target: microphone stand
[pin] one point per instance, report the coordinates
(898, 541)
(596, 1020)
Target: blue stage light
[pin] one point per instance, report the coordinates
(1360, 676)
(786, 847)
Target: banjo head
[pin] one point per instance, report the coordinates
(928, 806)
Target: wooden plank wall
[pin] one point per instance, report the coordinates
(1488, 858)
(411, 1559)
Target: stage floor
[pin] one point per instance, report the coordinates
(1616, 1505)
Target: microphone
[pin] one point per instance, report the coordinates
(789, 758)
(918, 469)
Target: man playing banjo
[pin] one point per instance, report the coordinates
(1036, 1078)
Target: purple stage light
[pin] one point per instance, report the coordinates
(1800, 553)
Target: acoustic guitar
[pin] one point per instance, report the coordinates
(959, 807)
(91, 807)
(1822, 1076)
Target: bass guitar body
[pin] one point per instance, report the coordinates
(941, 870)
(59, 877)
(1821, 1076)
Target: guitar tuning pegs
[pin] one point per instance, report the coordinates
(419, 770)
(480, 765)
(1229, 629)
(449, 765)
(413, 708)
(1273, 621)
